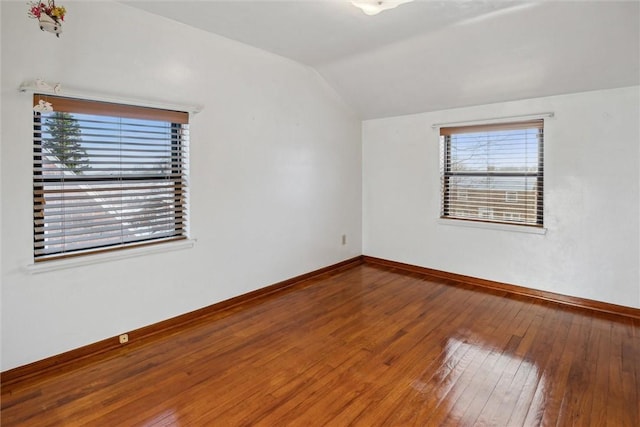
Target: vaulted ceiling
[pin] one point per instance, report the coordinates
(432, 55)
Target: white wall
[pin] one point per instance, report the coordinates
(592, 199)
(275, 174)
(276, 180)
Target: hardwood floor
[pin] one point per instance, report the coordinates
(367, 346)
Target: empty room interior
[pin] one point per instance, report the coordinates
(320, 212)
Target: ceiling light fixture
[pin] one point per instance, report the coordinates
(373, 7)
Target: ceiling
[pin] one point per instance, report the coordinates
(431, 55)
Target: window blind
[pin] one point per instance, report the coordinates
(493, 172)
(107, 176)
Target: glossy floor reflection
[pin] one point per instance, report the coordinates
(367, 346)
(478, 385)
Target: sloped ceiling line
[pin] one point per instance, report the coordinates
(433, 55)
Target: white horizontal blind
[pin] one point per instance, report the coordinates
(494, 172)
(107, 176)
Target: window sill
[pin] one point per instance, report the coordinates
(493, 226)
(61, 264)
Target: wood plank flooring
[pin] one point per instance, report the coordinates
(369, 346)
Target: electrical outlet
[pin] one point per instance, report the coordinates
(124, 338)
(344, 239)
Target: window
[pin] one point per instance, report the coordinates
(499, 170)
(107, 176)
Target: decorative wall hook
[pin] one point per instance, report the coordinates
(42, 106)
(42, 85)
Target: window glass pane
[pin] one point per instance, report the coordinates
(493, 175)
(503, 151)
(105, 181)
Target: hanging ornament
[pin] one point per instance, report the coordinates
(49, 16)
